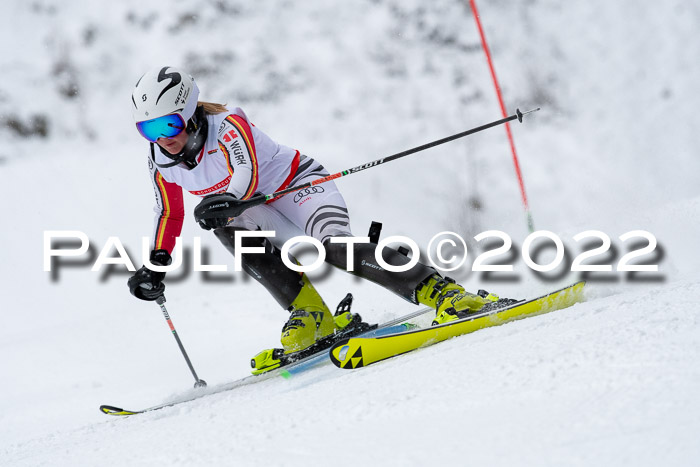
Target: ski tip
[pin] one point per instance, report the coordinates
(111, 410)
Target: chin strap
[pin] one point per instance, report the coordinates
(197, 128)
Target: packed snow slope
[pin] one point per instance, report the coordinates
(612, 381)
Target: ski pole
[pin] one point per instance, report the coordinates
(212, 207)
(199, 383)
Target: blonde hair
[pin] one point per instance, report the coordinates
(212, 107)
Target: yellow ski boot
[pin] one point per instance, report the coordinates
(310, 320)
(310, 323)
(450, 300)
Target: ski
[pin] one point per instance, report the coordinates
(390, 327)
(361, 351)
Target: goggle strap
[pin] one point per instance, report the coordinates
(162, 166)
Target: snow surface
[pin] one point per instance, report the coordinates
(612, 381)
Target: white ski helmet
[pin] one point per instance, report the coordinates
(164, 91)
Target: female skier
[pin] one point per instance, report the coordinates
(204, 148)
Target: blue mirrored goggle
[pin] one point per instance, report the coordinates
(167, 126)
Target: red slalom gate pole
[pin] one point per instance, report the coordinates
(530, 224)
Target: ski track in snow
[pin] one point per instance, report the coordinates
(553, 387)
(611, 381)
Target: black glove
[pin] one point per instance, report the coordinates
(215, 223)
(216, 210)
(213, 211)
(146, 284)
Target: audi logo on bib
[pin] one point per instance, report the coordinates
(301, 194)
